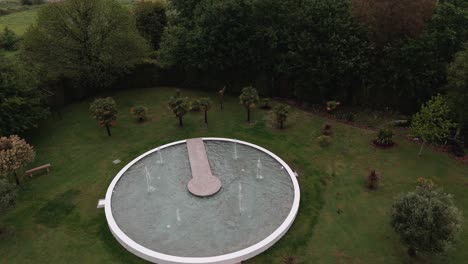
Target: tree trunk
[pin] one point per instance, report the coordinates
(421, 149)
(281, 124)
(108, 131)
(181, 124)
(412, 252)
(16, 178)
(222, 103)
(206, 116)
(248, 114)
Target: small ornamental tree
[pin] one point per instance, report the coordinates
(432, 122)
(205, 104)
(221, 96)
(179, 106)
(248, 98)
(140, 113)
(104, 110)
(426, 219)
(281, 114)
(15, 153)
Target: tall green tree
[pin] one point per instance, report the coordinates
(432, 122)
(90, 41)
(179, 106)
(104, 111)
(426, 219)
(151, 20)
(248, 98)
(21, 104)
(457, 88)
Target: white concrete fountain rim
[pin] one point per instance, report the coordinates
(234, 257)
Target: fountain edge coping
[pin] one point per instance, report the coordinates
(230, 258)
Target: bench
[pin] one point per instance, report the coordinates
(45, 167)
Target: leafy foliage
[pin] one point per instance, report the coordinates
(327, 130)
(195, 105)
(104, 110)
(8, 39)
(151, 20)
(281, 114)
(248, 98)
(140, 113)
(100, 43)
(8, 195)
(179, 106)
(384, 137)
(15, 153)
(457, 87)
(432, 122)
(21, 105)
(426, 219)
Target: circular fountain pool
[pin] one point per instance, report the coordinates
(152, 214)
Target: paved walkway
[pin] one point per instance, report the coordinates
(203, 182)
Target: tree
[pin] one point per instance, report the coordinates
(431, 123)
(248, 98)
(15, 153)
(21, 104)
(8, 39)
(140, 112)
(179, 106)
(151, 20)
(104, 110)
(426, 219)
(457, 88)
(91, 42)
(281, 113)
(7, 195)
(205, 103)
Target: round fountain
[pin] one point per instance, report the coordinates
(210, 200)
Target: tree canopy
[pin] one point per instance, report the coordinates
(89, 41)
(21, 104)
(426, 219)
(104, 110)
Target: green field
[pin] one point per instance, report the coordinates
(340, 221)
(19, 21)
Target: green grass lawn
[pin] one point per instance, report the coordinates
(19, 22)
(56, 220)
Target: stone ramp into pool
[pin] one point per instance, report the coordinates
(203, 182)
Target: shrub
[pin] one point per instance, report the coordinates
(384, 138)
(195, 105)
(7, 195)
(140, 113)
(426, 219)
(373, 180)
(327, 130)
(332, 105)
(15, 153)
(348, 116)
(265, 103)
(324, 141)
(8, 39)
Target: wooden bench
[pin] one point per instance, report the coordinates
(45, 167)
